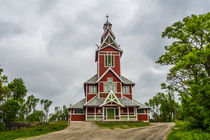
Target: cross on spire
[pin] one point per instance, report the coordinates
(107, 16)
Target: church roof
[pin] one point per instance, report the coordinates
(79, 104)
(94, 79)
(95, 101)
(141, 105)
(126, 81)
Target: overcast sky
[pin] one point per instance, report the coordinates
(51, 43)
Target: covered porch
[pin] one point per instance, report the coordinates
(110, 113)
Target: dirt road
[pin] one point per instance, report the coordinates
(90, 131)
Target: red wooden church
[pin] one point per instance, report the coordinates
(108, 94)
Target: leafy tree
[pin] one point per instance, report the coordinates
(4, 90)
(18, 89)
(47, 104)
(9, 111)
(189, 56)
(36, 116)
(163, 107)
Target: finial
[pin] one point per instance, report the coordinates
(107, 16)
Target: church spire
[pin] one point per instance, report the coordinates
(107, 24)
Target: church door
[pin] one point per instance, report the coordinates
(110, 113)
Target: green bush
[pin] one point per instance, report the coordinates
(182, 131)
(33, 131)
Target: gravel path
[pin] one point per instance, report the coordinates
(90, 131)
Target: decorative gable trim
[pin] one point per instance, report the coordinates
(111, 97)
(108, 35)
(109, 69)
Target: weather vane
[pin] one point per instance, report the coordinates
(107, 16)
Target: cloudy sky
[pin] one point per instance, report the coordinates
(51, 43)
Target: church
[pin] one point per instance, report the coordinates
(108, 94)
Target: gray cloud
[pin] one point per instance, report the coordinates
(50, 44)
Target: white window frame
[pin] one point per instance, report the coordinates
(125, 89)
(111, 55)
(92, 89)
(106, 85)
(78, 113)
(141, 113)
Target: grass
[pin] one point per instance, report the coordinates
(33, 131)
(123, 125)
(180, 132)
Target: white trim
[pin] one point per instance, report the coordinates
(78, 113)
(86, 113)
(119, 113)
(109, 69)
(112, 100)
(106, 31)
(128, 113)
(90, 100)
(103, 112)
(93, 86)
(100, 47)
(94, 113)
(107, 59)
(142, 109)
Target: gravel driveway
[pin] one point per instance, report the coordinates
(90, 131)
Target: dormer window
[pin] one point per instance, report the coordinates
(125, 90)
(109, 60)
(92, 89)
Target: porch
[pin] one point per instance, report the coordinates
(111, 113)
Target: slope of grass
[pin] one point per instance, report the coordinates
(180, 132)
(33, 131)
(123, 125)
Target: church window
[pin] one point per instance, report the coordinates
(78, 111)
(92, 89)
(109, 60)
(110, 85)
(125, 90)
(140, 110)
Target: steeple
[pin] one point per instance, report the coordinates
(107, 24)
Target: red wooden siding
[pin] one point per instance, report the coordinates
(77, 117)
(142, 117)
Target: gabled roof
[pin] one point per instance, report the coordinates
(92, 80)
(95, 101)
(126, 81)
(127, 102)
(141, 105)
(109, 35)
(79, 104)
(109, 69)
(111, 97)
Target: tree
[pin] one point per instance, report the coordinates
(9, 111)
(189, 56)
(47, 104)
(4, 90)
(18, 89)
(163, 107)
(36, 116)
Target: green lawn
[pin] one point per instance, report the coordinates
(123, 125)
(33, 131)
(180, 132)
